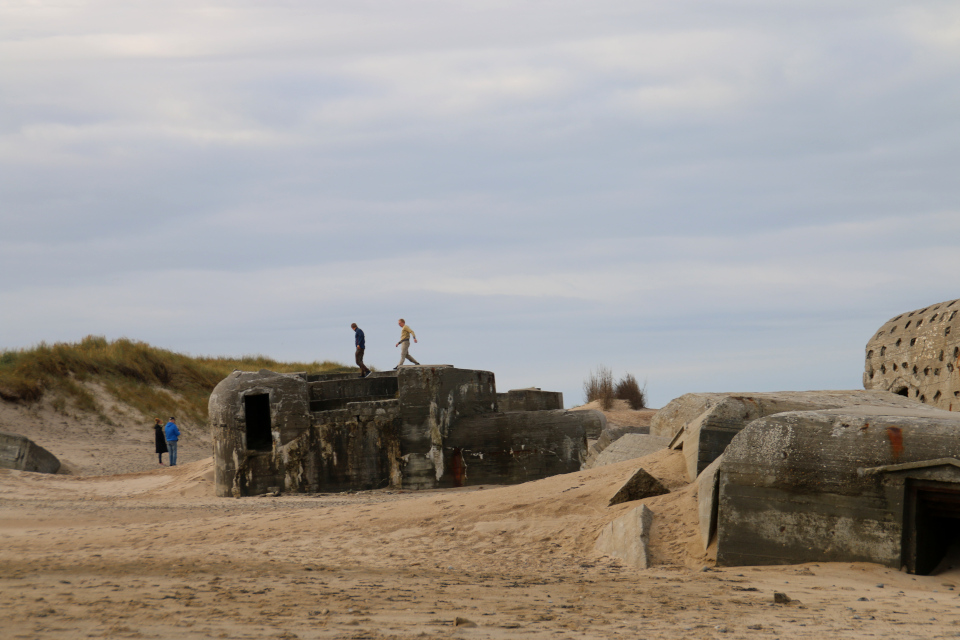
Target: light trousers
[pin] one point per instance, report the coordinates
(404, 353)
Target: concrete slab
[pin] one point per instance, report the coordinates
(640, 485)
(627, 538)
(627, 447)
(707, 491)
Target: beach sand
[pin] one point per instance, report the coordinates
(154, 554)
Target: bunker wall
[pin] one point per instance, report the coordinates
(21, 453)
(792, 489)
(529, 400)
(516, 447)
(917, 354)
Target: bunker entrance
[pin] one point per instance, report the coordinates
(933, 528)
(257, 412)
(903, 391)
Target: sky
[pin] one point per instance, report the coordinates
(726, 195)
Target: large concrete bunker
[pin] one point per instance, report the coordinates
(416, 428)
(869, 484)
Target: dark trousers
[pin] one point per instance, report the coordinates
(363, 367)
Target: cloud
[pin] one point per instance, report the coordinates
(725, 193)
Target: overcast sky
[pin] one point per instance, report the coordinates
(713, 196)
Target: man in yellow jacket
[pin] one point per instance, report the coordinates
(405, 334)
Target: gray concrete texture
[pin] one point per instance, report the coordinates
(21, 453)
(628, 537)
(419, 427)
(610, 433)
(822, 486)
(627, 447)
(703, 424)
(640, 485)
(917, 354)
(532, 399)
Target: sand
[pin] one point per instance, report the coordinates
(154, 554)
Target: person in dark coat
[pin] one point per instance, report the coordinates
(161, 439)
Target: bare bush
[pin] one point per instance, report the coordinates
(599, 386)
(628, 389)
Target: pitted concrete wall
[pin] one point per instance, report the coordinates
(510, 448)
(917, 354)
(23, 454)
(417, 428)
(792, 489)
(709, 421)
(239, 470)
(529, 400)
(431, 400)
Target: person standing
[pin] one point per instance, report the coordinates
(405, 334)
(160, 440)
(361, 345)
(172, 434)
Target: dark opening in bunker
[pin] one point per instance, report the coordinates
(902, 391)
(257, 410)
(931, 525)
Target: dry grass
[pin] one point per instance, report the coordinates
(628, 389)
(599, 386)
(152, 380)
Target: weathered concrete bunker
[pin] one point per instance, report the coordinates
(23, 454)
(703, 424)
(416, 428)
(917, 354)
(868, 484)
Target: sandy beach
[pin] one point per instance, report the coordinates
(154, 554)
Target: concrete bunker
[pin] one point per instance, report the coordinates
(23, 454)
(917, 354)
(859, 484)
(416, 428)
(704, 424)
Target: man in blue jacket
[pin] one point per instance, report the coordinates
(361, 345)
(172, 433)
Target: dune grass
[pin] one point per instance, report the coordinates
(156, 382)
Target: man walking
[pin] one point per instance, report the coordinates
(361, 345)
(405, 334)
(172, 433)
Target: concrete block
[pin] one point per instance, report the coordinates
(21, 453)
(837, 486)
(627, 538)
(529, 400)
(627, 447)
(640, 485)
(705, 435)
(707, 501)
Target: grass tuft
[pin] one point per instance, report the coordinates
(599, 386)
(628, 389)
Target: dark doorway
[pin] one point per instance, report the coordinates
(903, 391)
(932, 523)
(257, 410)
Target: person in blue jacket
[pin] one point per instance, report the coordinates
(361, 344)
(172, 434)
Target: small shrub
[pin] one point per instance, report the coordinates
(599, 386)
(628, 389)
